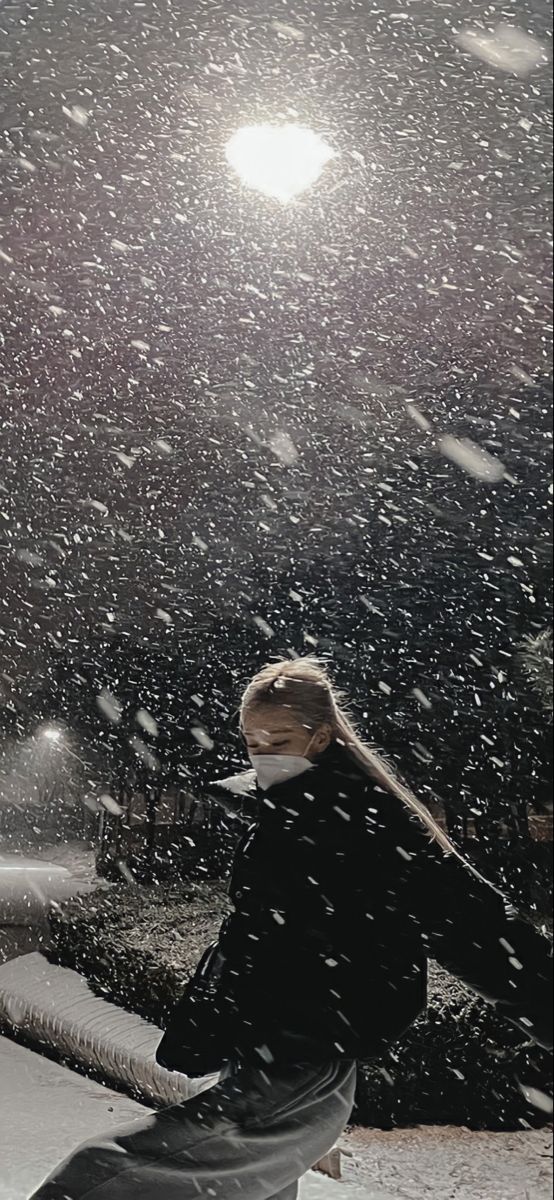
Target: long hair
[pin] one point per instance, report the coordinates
(304, 688)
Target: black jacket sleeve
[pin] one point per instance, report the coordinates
(195, 1041)
(470, 928)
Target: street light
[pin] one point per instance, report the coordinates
(278, 160)
(51, 734)
(58, 737)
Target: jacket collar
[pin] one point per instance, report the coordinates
(243, 784)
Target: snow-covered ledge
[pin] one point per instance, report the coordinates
(55, 1007)
(29, 887)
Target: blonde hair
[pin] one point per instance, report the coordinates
(304, 688)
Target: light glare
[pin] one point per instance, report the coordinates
(52, 735)
(278, 160)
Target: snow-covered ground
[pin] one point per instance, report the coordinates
(76, 857)
(46, 1110)
(29, 884)
(448, 1163)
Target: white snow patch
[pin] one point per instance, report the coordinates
(76, 113)
(506, 47)
(473, 459)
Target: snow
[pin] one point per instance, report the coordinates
(46, 1111)
(506, 47)
(28, 886)
(450, 1164)
(59, 1011)
(234, 429)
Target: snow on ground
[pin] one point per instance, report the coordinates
(29, 883)
(449, 1163)
(76, 857)
(46, 1110)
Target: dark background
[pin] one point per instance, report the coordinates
(161, 326)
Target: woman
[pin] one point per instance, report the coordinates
(342, 887)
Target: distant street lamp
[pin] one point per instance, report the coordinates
(51, 734)
(60, 738)
(278, 160)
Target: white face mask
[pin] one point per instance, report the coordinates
(276, 768)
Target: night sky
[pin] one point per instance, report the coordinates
(210, 401)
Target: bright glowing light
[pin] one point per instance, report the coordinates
(52, 735)
(278, 160)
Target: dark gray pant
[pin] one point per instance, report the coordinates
(251, 1137)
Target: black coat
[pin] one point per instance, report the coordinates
(339, 898)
